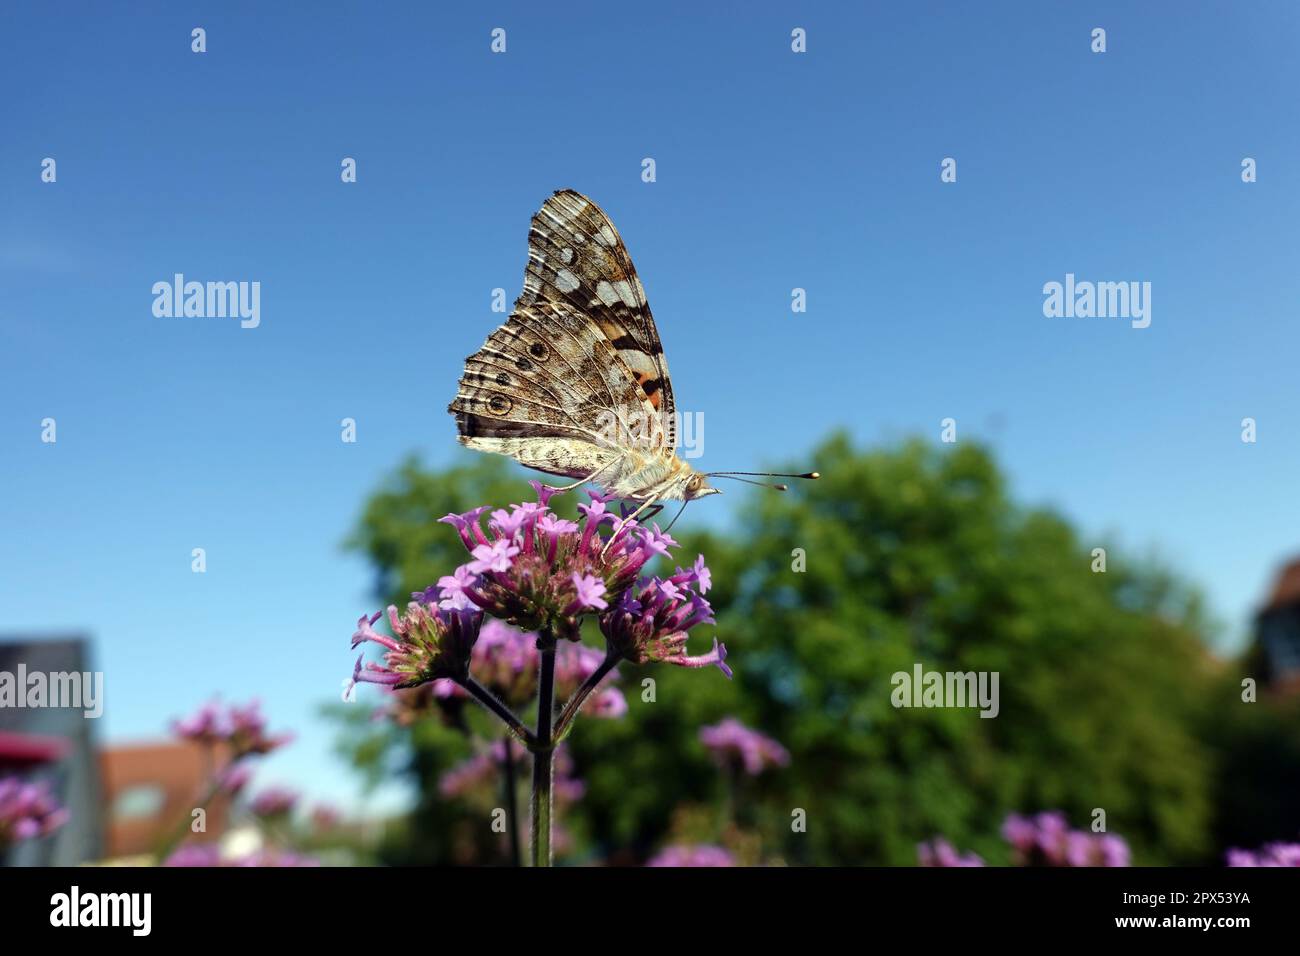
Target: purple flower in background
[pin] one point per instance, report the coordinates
(325, 817)
(233, 779)
(505, 661)
(479, 771)
(479, 775)
(209, 854)
(248, 733)
(206, 854)
(268, 857)
(206, 725)
(274, 802)
(939, 852)
(1270, 854)
(732, 744)
(242, 729)
(1047, 840)
(699, 855)
(574, 664)
(608, 703)
(27, 811)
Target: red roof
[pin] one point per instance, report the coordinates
(29, 750)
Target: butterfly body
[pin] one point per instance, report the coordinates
(575, 382)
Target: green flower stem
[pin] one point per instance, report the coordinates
(543, 751)
(490, 701)
(512, 800)
(565, 723)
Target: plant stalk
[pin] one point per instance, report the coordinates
(512, 801)
(543, 752)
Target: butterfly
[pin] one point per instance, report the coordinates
(575, 382)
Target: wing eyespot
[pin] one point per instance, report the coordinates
(538, 351)
(499, 405)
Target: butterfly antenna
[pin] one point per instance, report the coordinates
(736, 476)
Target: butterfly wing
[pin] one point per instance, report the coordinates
(548, 389)
(576, 256)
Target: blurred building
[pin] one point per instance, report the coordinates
(56, 744)
(1277, 633)
(151, 789)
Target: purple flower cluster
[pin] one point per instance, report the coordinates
(1270, 854)
(233, 779)
(697, 855)
(241, 729)
(209, 854)
(481, 773)
(325, 817)
(1044, 839)
(939, 852)
(27, 810)
(274, 802)
(540, 573)
(1047, 840)
(429, 642)
(732, 744)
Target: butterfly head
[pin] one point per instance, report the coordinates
(697, 486)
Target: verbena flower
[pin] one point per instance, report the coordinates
(209, 854)
(274, 802)
(241, 729)
(542, 576)
(537, 572)
(206, 725)
(428, 642)
(650, 623)
(28, 810)
(698, 855)
(939, 852)
(480, 775)
(233, 779)
(1270, 854)
(1046, 839)
(325, 817)
(206, 854)
(248, 733)
(732, 744)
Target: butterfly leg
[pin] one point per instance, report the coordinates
(582, 481)
(632, 517)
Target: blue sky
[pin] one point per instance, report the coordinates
(774, 171)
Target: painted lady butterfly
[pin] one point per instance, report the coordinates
(575, 382)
